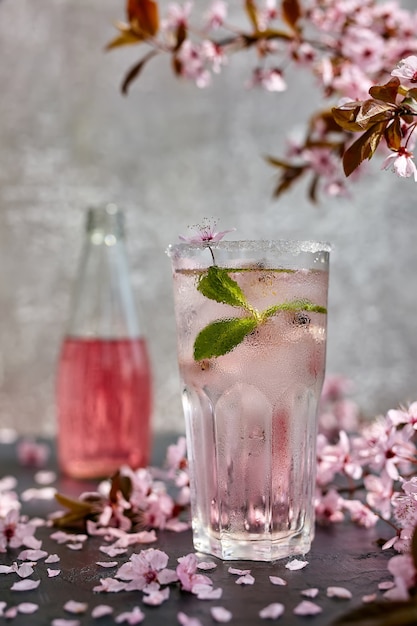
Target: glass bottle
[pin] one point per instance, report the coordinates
(104, 375)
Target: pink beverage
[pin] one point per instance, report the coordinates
(104, 405)
(250, 411)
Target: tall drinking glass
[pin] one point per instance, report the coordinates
(251, 329)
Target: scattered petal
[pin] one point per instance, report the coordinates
(44, 493)
(339, 592)
(247, 579)
(307, 608)
(112, 552)
(277, 580)
(32, 555)
(184, 620)
(220, 614)
(110, 585)
(206, 565)
(176, 525)
(310, 593)
(53, 572)
(101, 610)
(65, 622)
(11, 612)
(45, 477)
(107, 563)
(131, 617)
(239, 572)
(369, 598)
(75, 607)
(6, 569)
(386, 584)
(205, 592)
(27, 608)
(52, 558)
(75, 546)
(296, 564)
(25, 585)
(157, 597)
(25, 570)
(272, 611)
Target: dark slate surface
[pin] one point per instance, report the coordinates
(342, 555)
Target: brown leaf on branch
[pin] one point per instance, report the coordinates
(290, 173)
(387, 92)
(143, 15)
(291, 12)
(253, 14)
(363, 148)
(373, 111)
(126, 37)
(393, 134)
(345, 116)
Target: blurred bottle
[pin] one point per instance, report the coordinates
(104, 376)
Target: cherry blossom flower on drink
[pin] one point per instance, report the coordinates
(206, 233)
(147, 570)
(401, 163)
(406, 69)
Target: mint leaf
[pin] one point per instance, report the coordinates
(222, 336)
(217, 285)
(294, 305)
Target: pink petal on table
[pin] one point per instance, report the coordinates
(25, 570)
(110, 585)
(32, 555)
(272, 611)
(65, 622)
(176, 525)
(386, 584)
(2, 607)
(72, 606)
(208, 593)
(247, 579)
(131, 617)
(25, 585)
(75, 546)
(277, 580)
(11, 613)
(107, 563)
(52, 558)
(220, 614)
(43, 493)
(45, 477)
(101, 610)
(184, 620)
(206, 565)
(239, 572)
(112, 552)
(53, 572)
(6, 569)
(369, 598)
(157, 597)
(339, 592)
(310, 593)
(129, 539)
(27, 608)
(296, 564)
(307, 608)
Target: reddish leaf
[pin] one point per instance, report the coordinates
(135, 71)
(414, 548)
(312, 190)
(363, 148)
(144, 16)
(373, 111)
(291, 12)
(126, 38)
(381, 614)
(345, 116)
(287, 178)
(393, 134)
(412, 93)
(387, 92)
(181, 36)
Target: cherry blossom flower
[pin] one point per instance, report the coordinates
(401, 163)
(406, 69)
(15, 533)
(206, 233)
(31, 453)
(216, 14)
(147, 570)
(270, 79)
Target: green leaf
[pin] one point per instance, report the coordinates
(217, 285)
(381, 614)
(222, 336)
(294, 305)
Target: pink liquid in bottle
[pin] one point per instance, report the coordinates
(104, 405)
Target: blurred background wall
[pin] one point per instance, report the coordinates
(170, 154)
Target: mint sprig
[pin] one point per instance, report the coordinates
(222, 336)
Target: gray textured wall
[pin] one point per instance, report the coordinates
(170, 154)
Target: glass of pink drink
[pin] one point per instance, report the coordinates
(251, 328)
